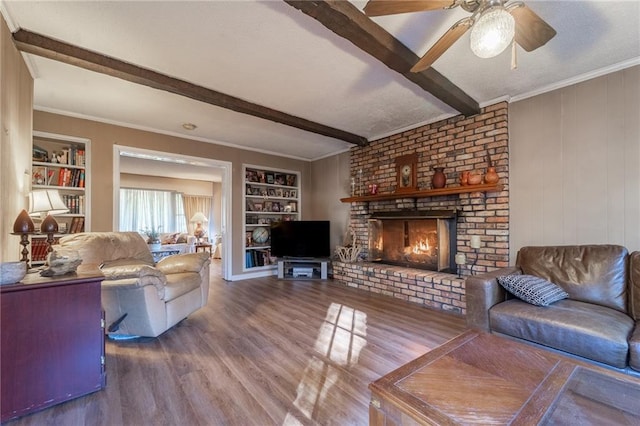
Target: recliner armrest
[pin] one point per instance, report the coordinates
(187, 262)
(133, 276)
(138, 270)
(482, 292)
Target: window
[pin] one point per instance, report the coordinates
(143, 208)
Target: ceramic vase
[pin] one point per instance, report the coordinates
(464, 178)
(439, 179)
(474, 179)
(491, 176)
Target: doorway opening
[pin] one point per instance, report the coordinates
(130, 160)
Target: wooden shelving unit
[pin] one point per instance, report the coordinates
(271, 195)
(425, 193)
(69, 175)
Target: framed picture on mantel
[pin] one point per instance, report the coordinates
(406, 172)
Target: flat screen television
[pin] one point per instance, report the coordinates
(301, 238)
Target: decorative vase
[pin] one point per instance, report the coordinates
(474, 179)
(464, 178)
(439, 179)
(155, 245)
(491, 176)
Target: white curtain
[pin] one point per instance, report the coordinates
(142, 209)
(199, 203)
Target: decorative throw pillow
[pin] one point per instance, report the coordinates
(532, 289)
(170, 239)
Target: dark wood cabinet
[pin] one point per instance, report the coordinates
(52, 342)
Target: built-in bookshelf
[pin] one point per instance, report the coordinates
(270, 195)
(61, 163)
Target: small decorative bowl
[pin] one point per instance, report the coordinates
(12, 272)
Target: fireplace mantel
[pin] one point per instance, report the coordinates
(425, 193)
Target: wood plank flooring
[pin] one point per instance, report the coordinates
(262, 352)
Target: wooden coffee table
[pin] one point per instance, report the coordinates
(479, 378)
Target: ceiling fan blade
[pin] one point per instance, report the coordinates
(531, 30)
(391, 7)
(445, 42)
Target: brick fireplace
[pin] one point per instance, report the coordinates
(415, 239)
(457, 144)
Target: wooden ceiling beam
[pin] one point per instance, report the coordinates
(40, 45)
(346, 20)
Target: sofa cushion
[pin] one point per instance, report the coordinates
(590, 273)
(588, 330)
(534, 290)
(179, 284)
(634, 348)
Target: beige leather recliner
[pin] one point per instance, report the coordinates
(154, 297)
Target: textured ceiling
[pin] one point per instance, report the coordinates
(273, 55)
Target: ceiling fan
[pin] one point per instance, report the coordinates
(494, 25)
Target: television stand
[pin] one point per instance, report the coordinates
(299, 268)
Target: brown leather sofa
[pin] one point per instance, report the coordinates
(154, 297)
(599, 321)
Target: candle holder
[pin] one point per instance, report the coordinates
(49, 226)
(23, 226)
(461, 260)
(475, 244)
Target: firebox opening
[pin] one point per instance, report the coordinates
(418, 239)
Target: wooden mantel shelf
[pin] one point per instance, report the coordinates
(424, 193)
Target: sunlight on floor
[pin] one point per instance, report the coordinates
(340, 339)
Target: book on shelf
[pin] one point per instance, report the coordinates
(50, 174)
(75, 203)
(38, 249)
(257, 257)
(77, 225)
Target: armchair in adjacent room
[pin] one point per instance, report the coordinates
(140, 297)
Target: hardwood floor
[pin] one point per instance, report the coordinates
(262, 352)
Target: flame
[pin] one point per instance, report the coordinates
(421, 247)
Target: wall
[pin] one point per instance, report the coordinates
(330, 182)
(457, 144)
(16, 100)
(575, 162)
(104, 136)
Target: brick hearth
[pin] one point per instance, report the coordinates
(433, 289)
(457, 144)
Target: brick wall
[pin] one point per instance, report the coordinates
(434, 289)
(457, 144)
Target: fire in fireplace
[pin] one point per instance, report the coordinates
(418, 239)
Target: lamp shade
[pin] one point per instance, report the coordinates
(199, 217)
(46, 201)
(492, 32)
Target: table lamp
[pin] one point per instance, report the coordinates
(47, 202)
(199, 218)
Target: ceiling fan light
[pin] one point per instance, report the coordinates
(492, 32)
